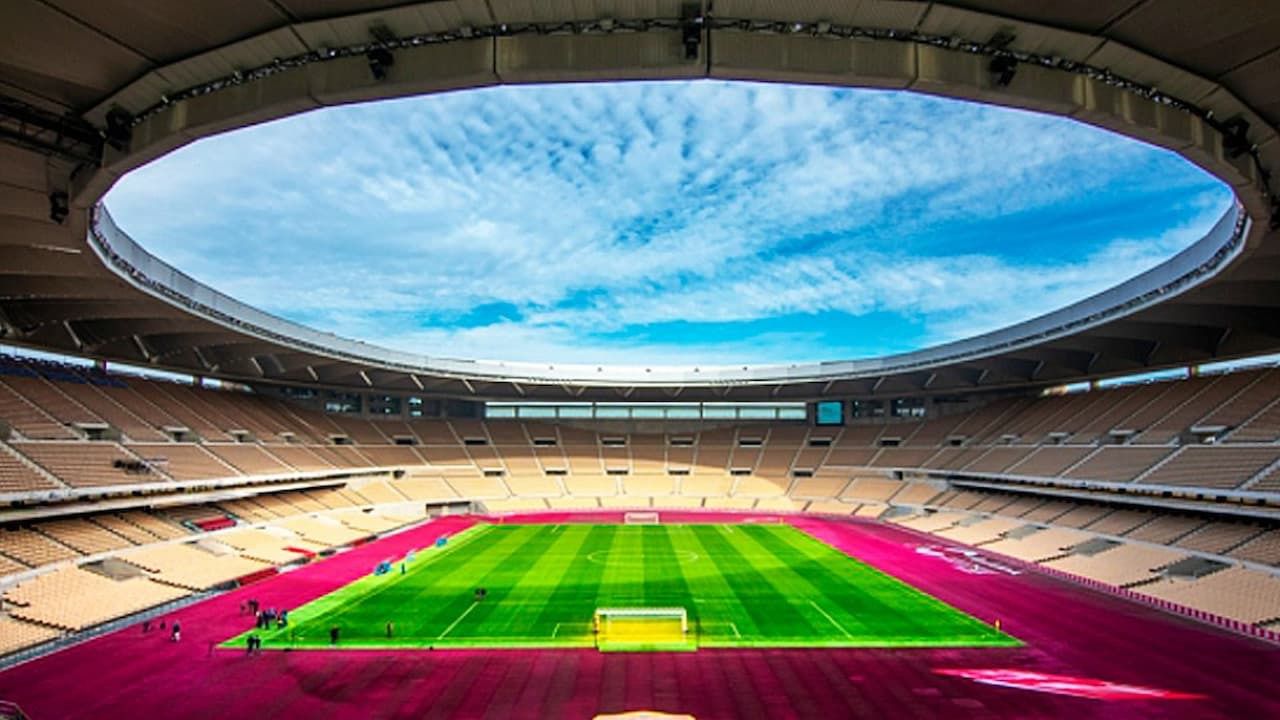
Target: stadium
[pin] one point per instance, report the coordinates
(209, 510)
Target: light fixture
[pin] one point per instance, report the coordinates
(1003, 67)
(119, 131)
(1235, 137)
(380, 60)
(691, 30)
(59, 208)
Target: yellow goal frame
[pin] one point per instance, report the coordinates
(641, 628)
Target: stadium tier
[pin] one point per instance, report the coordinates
(1203, 433)
(975, 477)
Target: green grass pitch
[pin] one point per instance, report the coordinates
(750, 585)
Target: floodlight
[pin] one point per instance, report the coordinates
(380, 60)
(119, 131)
(691, 30)
(1235, 137)
(1003, 67)
(59, 208)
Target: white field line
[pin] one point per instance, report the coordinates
(830, 619)
(555, 631)
(734, 625)
(465, 613)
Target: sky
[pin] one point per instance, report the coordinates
(677, 223)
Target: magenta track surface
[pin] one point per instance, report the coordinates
(1068, 631)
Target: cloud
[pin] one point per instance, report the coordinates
(665, 223)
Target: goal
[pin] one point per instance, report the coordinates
(642, 628)
(640, 517)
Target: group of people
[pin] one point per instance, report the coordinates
(175, 629)
(269, 617)
(264, 619)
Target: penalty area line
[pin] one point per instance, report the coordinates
(465, 613)
(830, 619)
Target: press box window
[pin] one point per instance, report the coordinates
(830, 412)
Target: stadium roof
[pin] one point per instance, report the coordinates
(91, 91)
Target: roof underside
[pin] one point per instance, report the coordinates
(188, 69)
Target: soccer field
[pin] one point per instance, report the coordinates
(750, 585)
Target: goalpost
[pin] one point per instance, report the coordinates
(640, 517)
(642, 628)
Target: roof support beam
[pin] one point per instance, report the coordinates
(142, 349)
(71, 332)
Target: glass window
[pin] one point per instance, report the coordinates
(719, 412)
(829, 412)
(791, 413)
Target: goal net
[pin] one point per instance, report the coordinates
(642, 628)
(640, 517)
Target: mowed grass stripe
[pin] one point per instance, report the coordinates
(623, 583)
(663, 580)
(670, 587)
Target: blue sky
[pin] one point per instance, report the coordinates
(666, 223)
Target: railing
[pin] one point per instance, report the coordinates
(1204, 259)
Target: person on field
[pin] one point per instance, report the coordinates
(175, 634)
